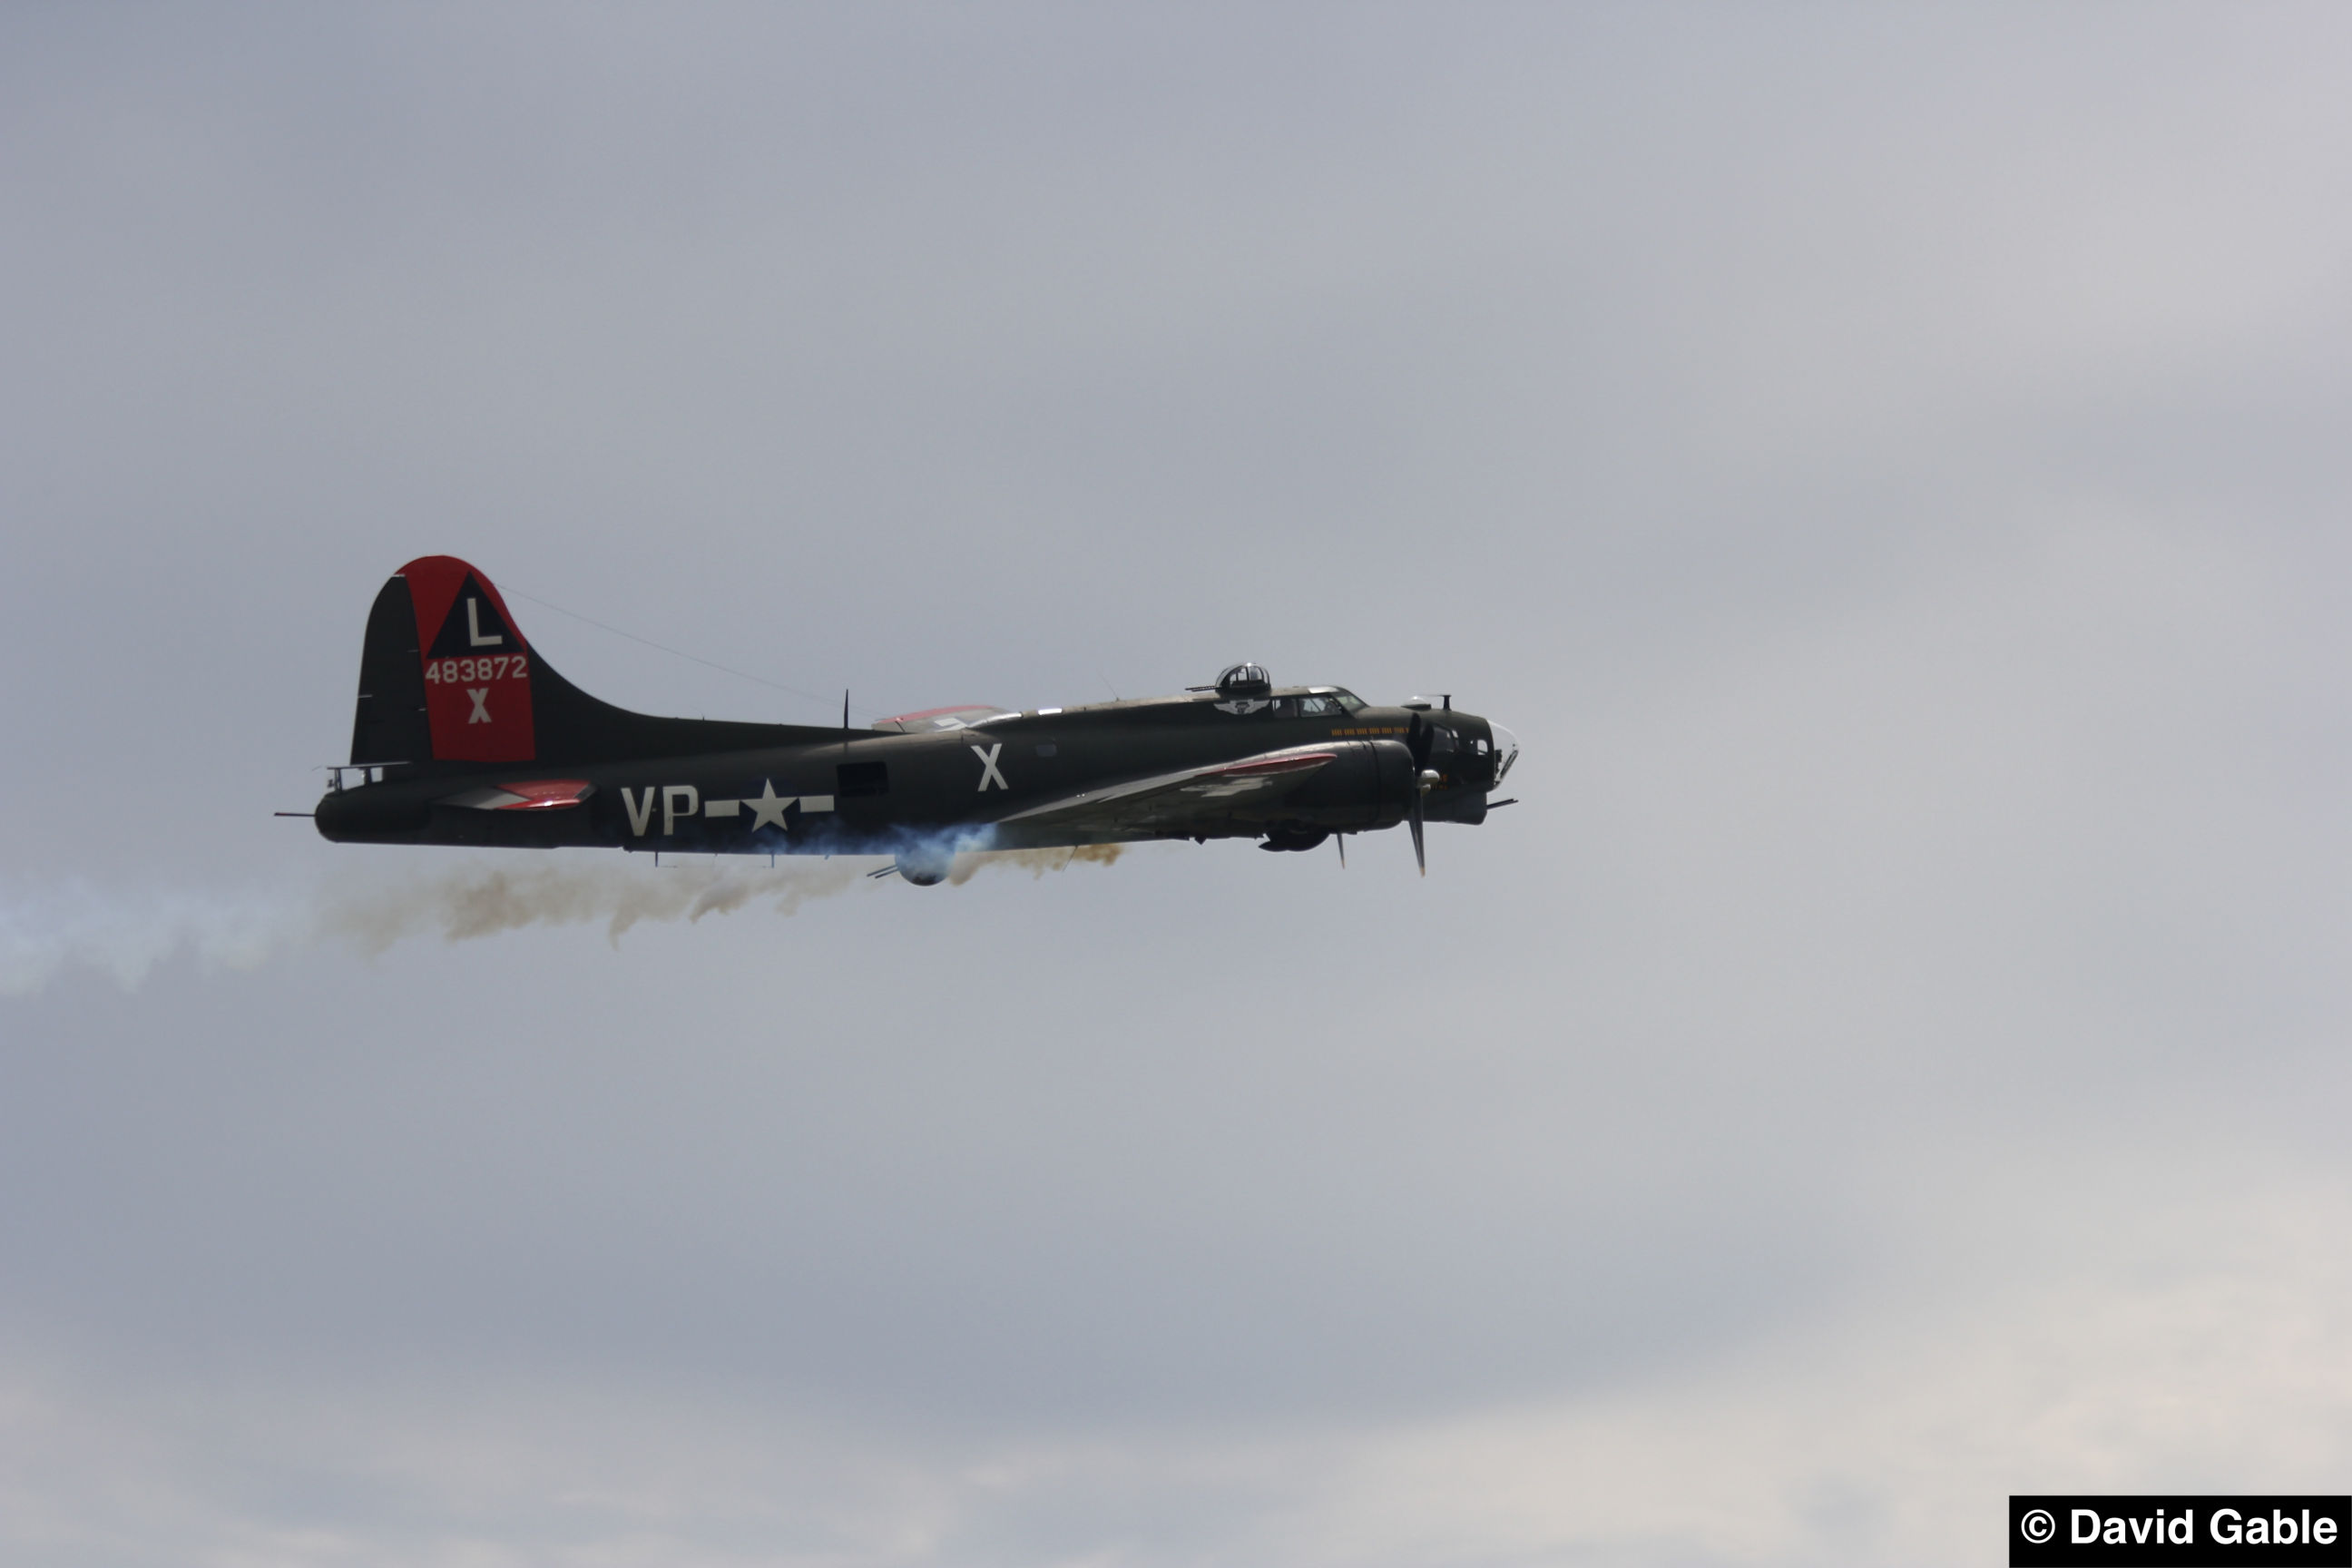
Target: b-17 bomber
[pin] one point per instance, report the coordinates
(466, 736)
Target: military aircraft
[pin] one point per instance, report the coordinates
(465, 735)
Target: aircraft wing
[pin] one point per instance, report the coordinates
(1170, 801)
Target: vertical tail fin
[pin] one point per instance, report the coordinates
(447, 679)
(443, 674)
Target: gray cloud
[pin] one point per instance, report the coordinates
(1885, 467)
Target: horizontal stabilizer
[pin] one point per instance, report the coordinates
(536, 795)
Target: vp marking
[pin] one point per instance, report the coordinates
(988, 774)
(682, 802)
(481, 695)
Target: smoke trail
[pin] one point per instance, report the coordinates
(77, 926)
(126, 936)
(1036, 862)
(479, 900)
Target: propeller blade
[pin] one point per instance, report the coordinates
(1425, 781)
(1341, 839)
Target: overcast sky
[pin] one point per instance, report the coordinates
(1890, 466)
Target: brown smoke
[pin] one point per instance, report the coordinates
(478, 901)
(43, 934)
(1036, 862)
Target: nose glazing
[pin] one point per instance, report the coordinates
(1506, 752)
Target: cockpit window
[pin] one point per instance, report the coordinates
(1327, 703)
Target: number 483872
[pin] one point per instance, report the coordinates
(502, 666)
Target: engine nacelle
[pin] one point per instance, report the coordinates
(1366, 784)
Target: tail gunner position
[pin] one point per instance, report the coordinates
(466, 736)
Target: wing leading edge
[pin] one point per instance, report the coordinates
(1169, 802)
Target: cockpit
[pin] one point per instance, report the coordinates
(1315, 702)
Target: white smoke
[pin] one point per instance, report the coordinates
(125, 935)
(79, 926)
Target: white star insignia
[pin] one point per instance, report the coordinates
(768, 807)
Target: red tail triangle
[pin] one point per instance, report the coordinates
(477, 666)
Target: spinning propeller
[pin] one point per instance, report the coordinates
(1424, 779)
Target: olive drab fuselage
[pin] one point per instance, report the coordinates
(465, 736)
